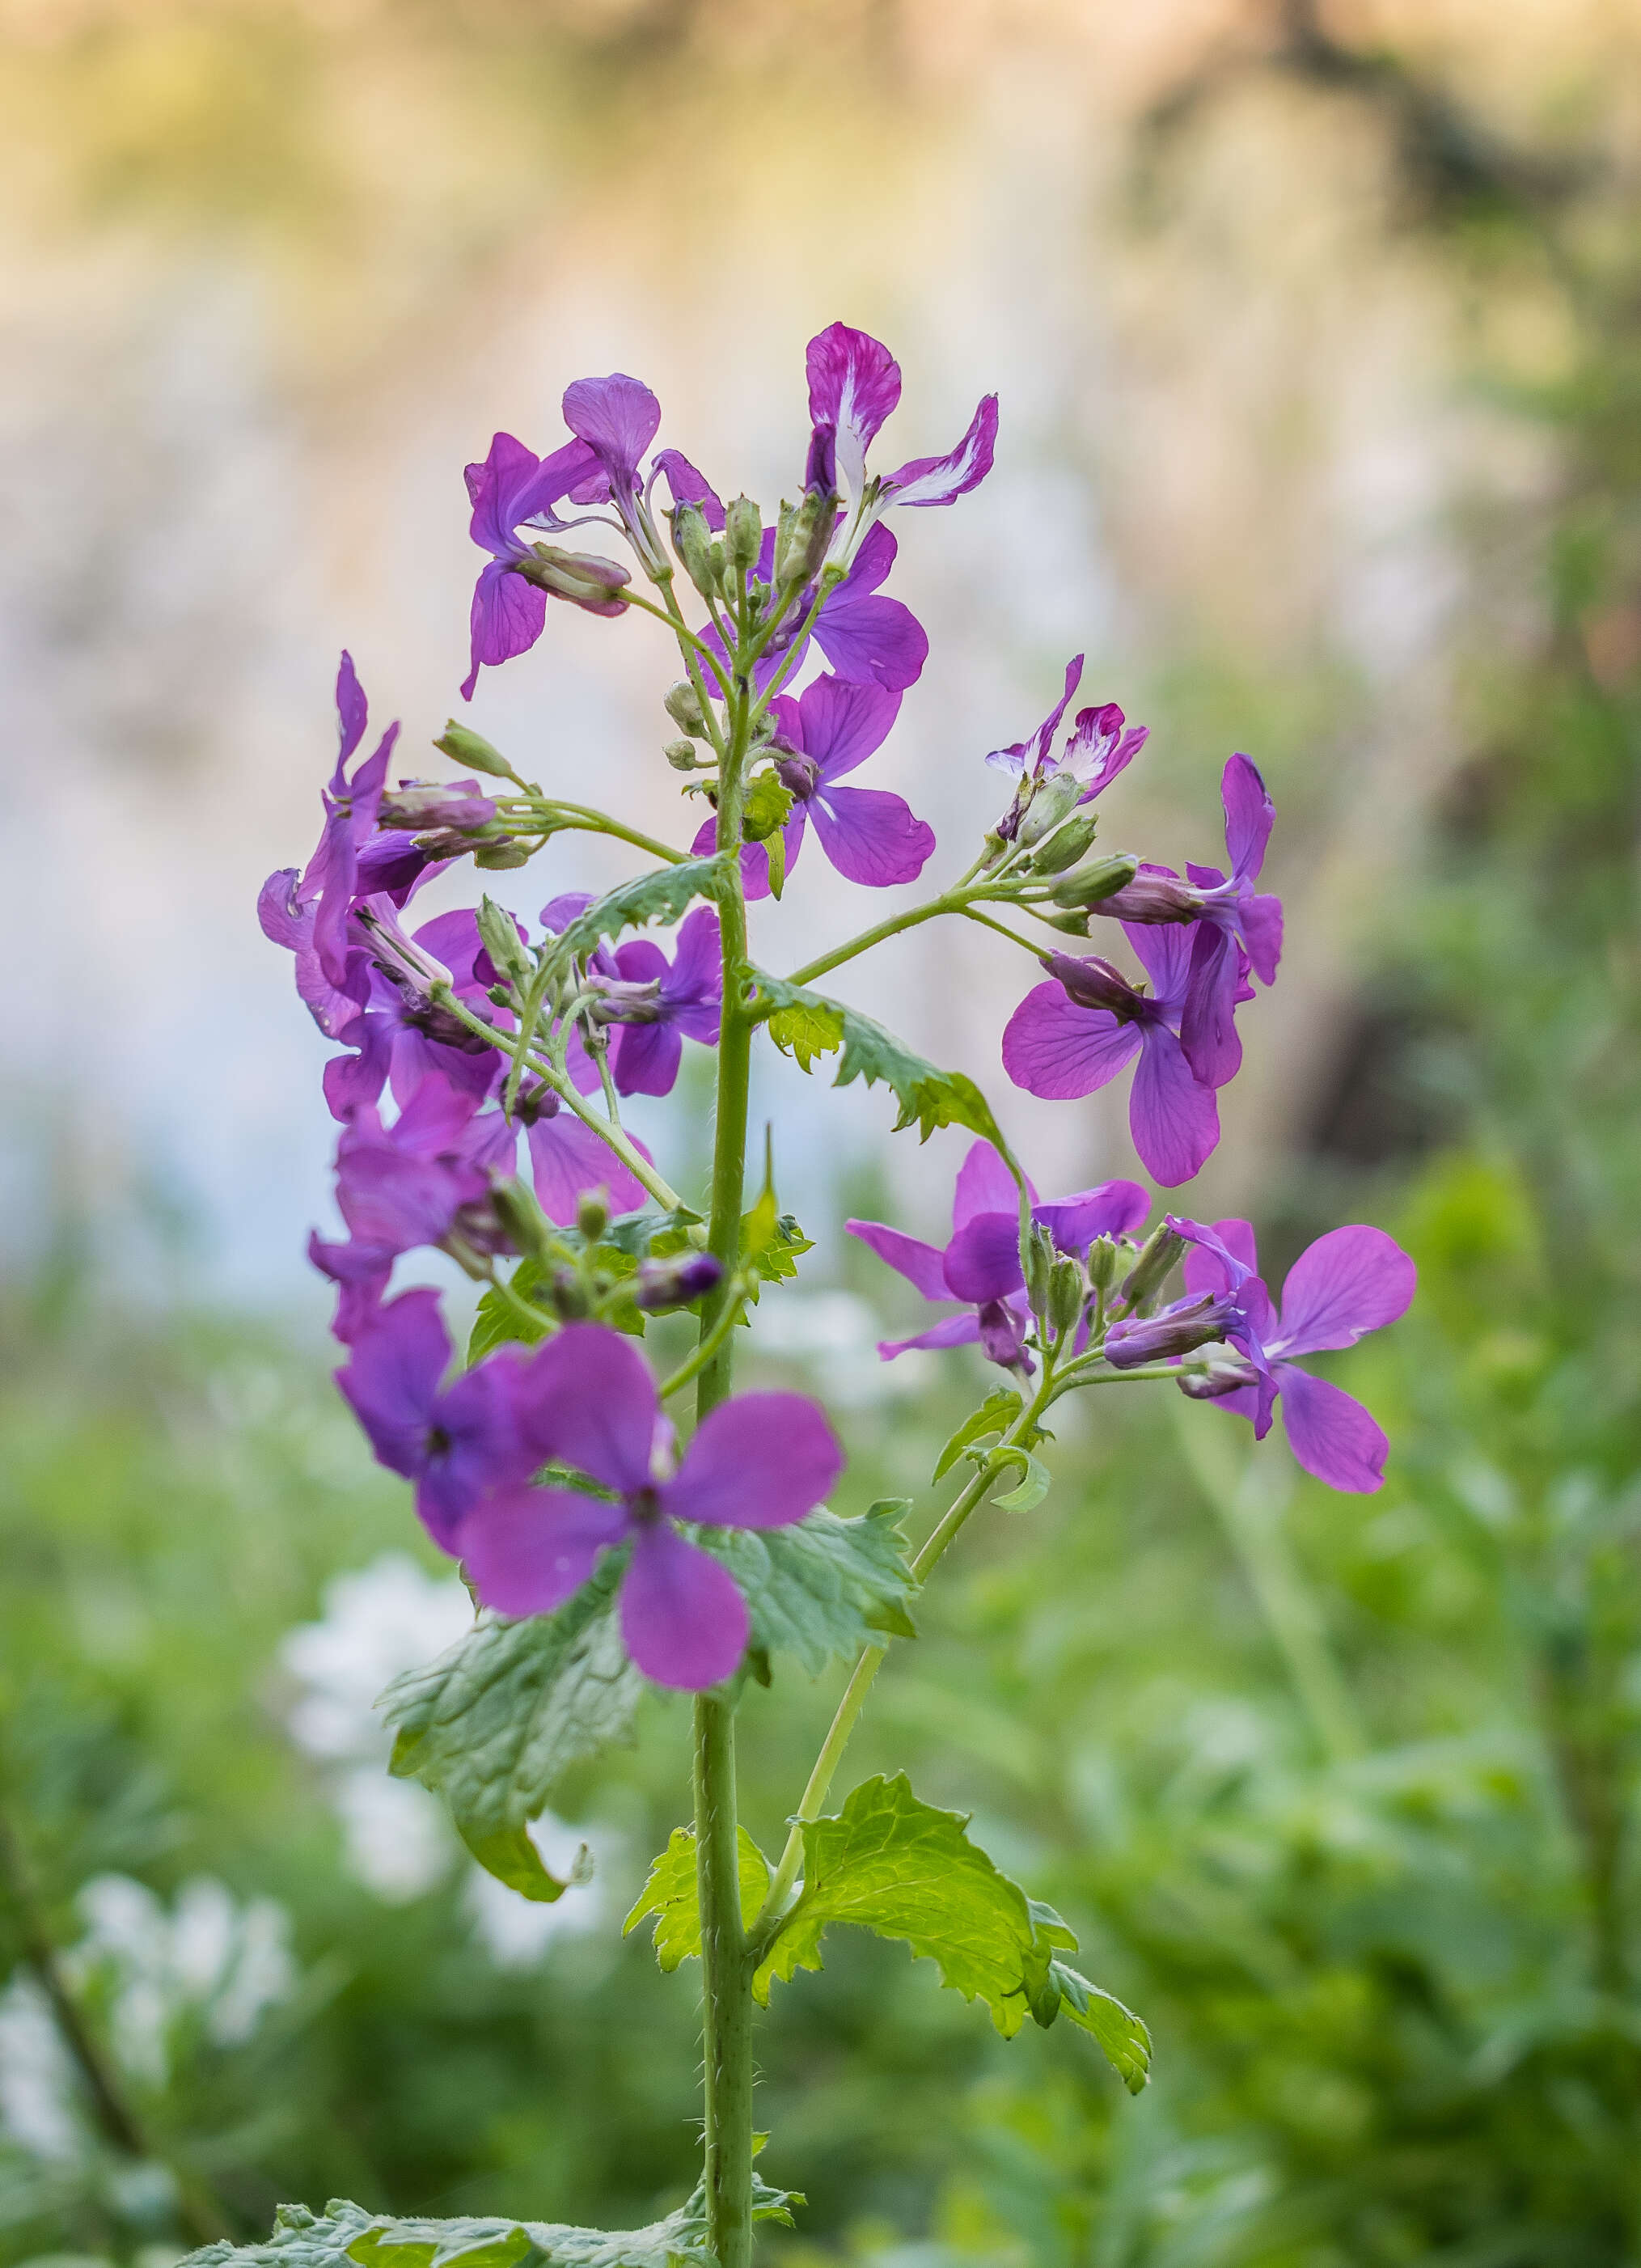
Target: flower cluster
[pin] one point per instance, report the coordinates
(457, 1035)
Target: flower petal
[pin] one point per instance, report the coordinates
(644, 1058)
(1205, 1271)
(920, 1263)
(841, 723)
(1208, 1031)
(1174, 1120)
(394, 1375)
(1330, 1433)
(984, 1184)
(870, 835)
(983, 1261)
(617, 417)
(871, 641)
(567, 1158)
(942, 479)
(956, 1331)
(683, 1617)
(1053, 1048)
(1249, 817)
(1111, 1210)
(527, 1549)
(1350, 1281)
(587, 1400)
(758, 1461)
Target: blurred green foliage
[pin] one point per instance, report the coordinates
(1339, 1794)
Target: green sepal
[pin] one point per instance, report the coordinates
(807, 1025)
(822, 1585)
(500, 1717)
(996, 1414)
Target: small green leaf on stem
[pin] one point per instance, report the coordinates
(664, 896)
(1033, 1486)
(807, 1024)
(996, 1414)
(669, 1894)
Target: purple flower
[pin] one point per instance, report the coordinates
(402, 1036)
(867, 639)
(514, 485)
(758, 1461)
(684, 1001)
(1098, 747)
(854, 385)
(1351, 1281)
(1071, 1037)
(424, 1178)
(982, 1264)
(288, 923)
(455, 1443)
(567, 1158)
(330, 883)
(870, 835)
(1229, 913)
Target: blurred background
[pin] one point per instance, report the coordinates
(1318, 334)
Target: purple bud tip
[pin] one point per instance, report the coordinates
(677, 1280)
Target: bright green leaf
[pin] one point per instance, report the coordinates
(996, 1414)
(1033, 1487)
(669, 1893)
(665, 896)
(767, 808)
(493, 1722)
(807, 1024)
(498, 1321)
(1125, 2041)
(822, 1585)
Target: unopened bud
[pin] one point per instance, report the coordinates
(569, 1296)
(692, 540)
(1157, 1257)
(499, 932)
(1065, 849)
(521, 1217)
(680, 754)
(801, 543)
(583, 577)
(1102, 1263)
(683, 706)
(463, 745)
(1156, 897)
(1040, 1258)
(743, 532)
(1055, 799)
(1068, 1290)
(420, 805)
(1224, 1372)
(496, 857)
(1074, 924)
(676, 1280)
(1093, 884)
(1159, 1338)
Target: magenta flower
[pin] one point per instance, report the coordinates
(685, 998)
(1351, 1281)
(454, 1442)
(757, 1461)
(982, 1264)
(425, 1177)
(1069, 1037)
(1098, 747)
(513, 485)
(869, 834)
(401, 1037)
(854, 385)
(1229, 913)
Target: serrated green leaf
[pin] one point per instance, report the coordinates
(493, 1722)
(996, 1414)
(1033, 1487)
(499, 1323)
(656, 1233)
(670, 1893)
(346, 2236)
(665, 896)
(1122, 2035)
(767, 808)
(822, 1585)
(807, 1025)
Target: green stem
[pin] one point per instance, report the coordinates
(708, 1346)
(585, 819)
(772, 1912)
(725, 1972)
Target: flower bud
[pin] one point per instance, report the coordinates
(1156, 1257)
(1155, 897)
(1074, 924)
(583, 578)
(499, 932)
(801, 540)
(463, 745)
(680, 754)
(593, 1213)
(521, 1216)
(569, 1296)
(743, 532)
(683, 706)
(1054, 800)
(676, 1280)
(1065, 849)
(798, 773)
(1103, 880)
(692, 540)
(1067, 1290)
(496, 857)
(1040, 1258)
(1102, 1263)
(421, 805)
(1159, 1338)
(1224, 1372)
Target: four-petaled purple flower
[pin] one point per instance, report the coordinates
(1068, 1037)
(854, 385)
(513, 486)
(1232, 920)
(869, 834)
(681, 999)
(1351, 1281)
(981, 1265)
(454, 1442)
(757, 1461)
(1100, 747)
